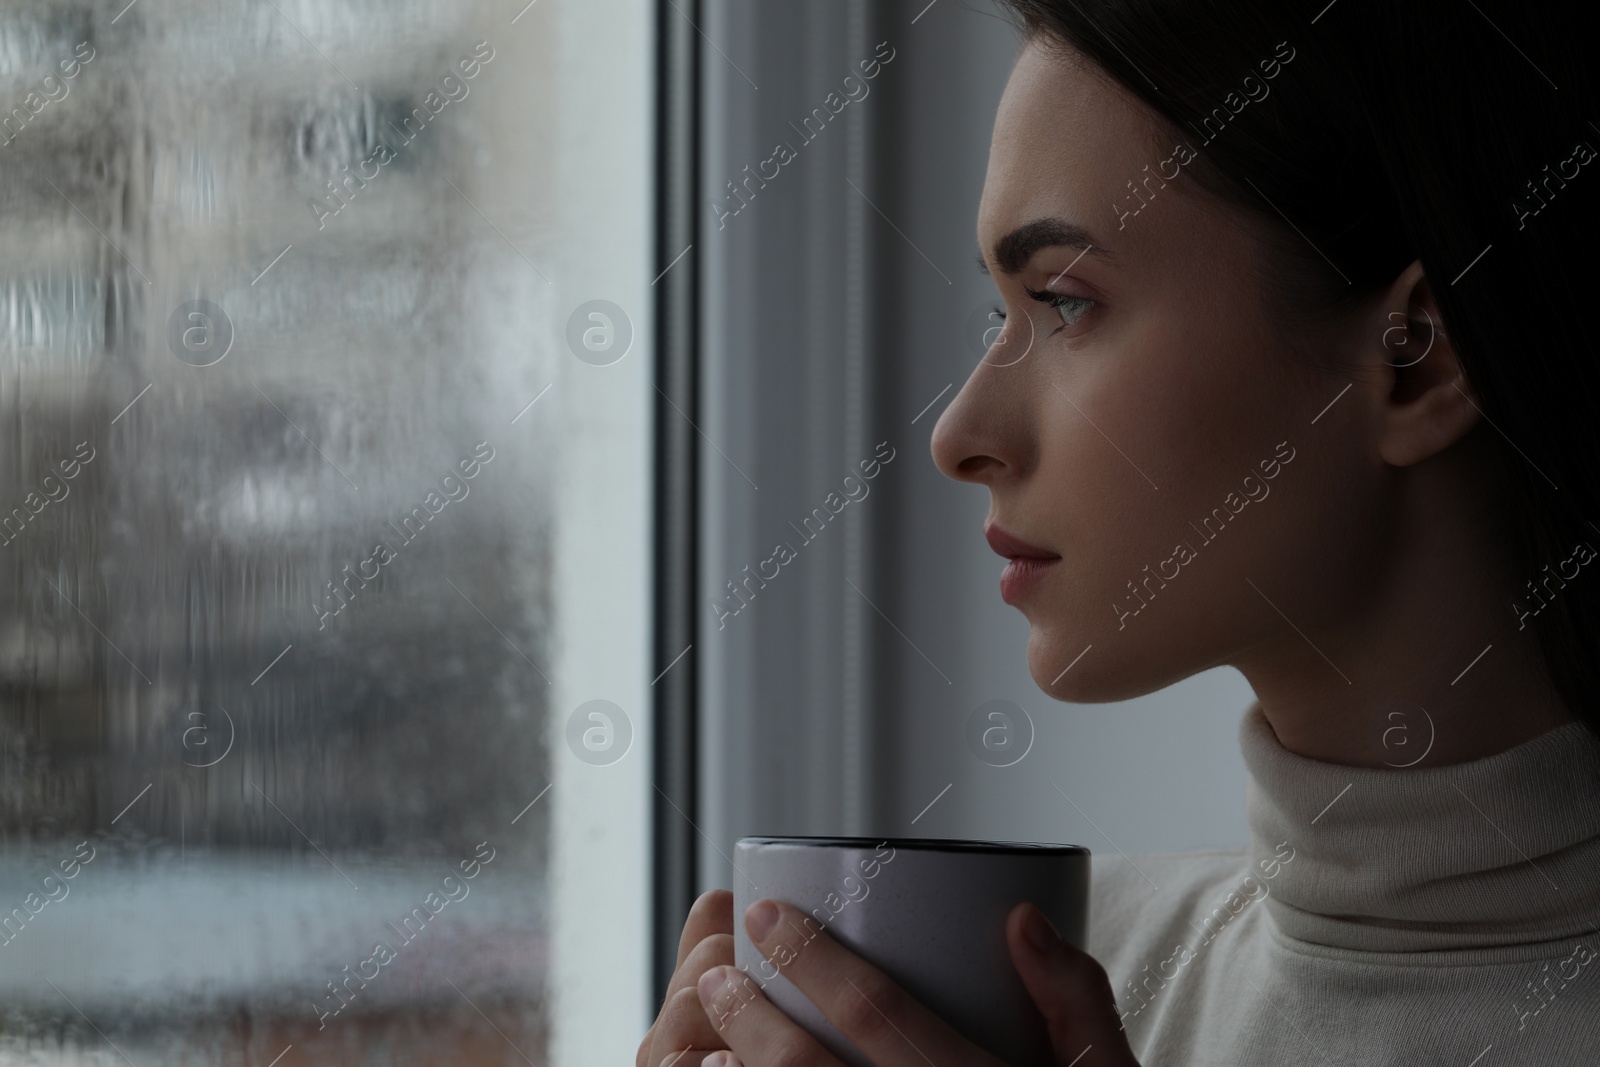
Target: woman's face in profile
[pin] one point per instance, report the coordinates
(1153, 431)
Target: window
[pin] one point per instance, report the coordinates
(326, 383)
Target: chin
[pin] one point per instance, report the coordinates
(1051, 646)
(1103, 674)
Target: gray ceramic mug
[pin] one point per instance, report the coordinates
(929, 913)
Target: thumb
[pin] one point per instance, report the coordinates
(1072, 992)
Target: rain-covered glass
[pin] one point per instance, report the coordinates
(276, 526)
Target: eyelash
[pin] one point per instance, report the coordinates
(1057, 301)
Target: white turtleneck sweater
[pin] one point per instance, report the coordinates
(1433, 915)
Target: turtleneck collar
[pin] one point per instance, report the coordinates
(1498, 851)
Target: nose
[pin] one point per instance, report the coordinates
(986, 434)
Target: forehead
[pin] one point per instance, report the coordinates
(1067, 141)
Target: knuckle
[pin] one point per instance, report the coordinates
(1086, 970)
(707, 904)
(709, 952)
(676, 1023)
(681, 1012)
(712, 912)
(677, 1030)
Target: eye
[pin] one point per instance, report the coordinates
(1070, 308)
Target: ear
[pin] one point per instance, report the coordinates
(1429, 405)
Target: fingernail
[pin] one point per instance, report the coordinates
(710, 982)
(760, 919)
(1039, 931)
(717, 1059)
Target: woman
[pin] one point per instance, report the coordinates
(1296, 376)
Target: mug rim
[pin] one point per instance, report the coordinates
(926, 844)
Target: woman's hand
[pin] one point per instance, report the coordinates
(682, 1036)
(1070, 988)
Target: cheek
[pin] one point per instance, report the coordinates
(1163, 422)
(1143, 434)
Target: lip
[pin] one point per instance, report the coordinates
(1028, 563)
(1013, 547)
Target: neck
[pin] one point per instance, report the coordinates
(1413, 722)
(1422, 662)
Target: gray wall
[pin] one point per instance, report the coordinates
(836, 701)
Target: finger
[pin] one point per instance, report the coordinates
(1072, 991)
(694, 1057)
(711, 951)
(682, 1025)
(863, 1003)
(721, 1059)
(711, 913)
(753, 1027)
(714, 950)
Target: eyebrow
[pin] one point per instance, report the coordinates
(1013, 251)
